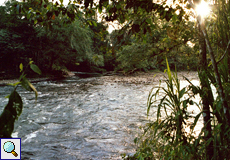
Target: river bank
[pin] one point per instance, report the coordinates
(136, 78)
(147, 77)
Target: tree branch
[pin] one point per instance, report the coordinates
(226, 51)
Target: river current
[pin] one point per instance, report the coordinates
(80, 118)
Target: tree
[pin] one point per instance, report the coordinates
(17, 40)
(148, 51)
(60, 47)
(53, 43)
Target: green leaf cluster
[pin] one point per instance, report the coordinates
(14, 107)
(54, 45)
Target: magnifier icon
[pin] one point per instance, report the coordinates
(9, 147)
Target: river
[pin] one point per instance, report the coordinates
(80, 118)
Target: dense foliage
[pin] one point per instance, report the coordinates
(58, 40)
(75, 46)
(69, 37)
(149, 52)
(172, 135)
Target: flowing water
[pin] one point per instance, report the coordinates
(80, 118)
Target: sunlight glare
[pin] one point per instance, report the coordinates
(203, 9)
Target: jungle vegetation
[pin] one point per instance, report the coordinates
(70, 37)
(57, 42)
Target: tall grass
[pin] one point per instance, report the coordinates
(166, 138)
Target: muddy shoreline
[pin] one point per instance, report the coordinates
(7, 81)
(147, 78)
(136, 78)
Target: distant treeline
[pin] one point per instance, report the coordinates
(86, 46)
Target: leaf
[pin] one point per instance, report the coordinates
(209, 140)
(100, 10)
(53, 17)
(94, 23)
(34, 89)
(149, 102)
(165, 39)
(181, 93)
(10, 113)
(195, 121)
(31, 62)
(14, 104)
(185, 103)
(28, 86)
(149, 21)
(18, 9)
(174, 18)
(21, 67)
(168, 71)
(35, 68)
(7, 124)
(28, 15)
(8, 96)
(13, 84)
(136, 140)
(25, 84)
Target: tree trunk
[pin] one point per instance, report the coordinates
(220, 89)
(205, 86)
